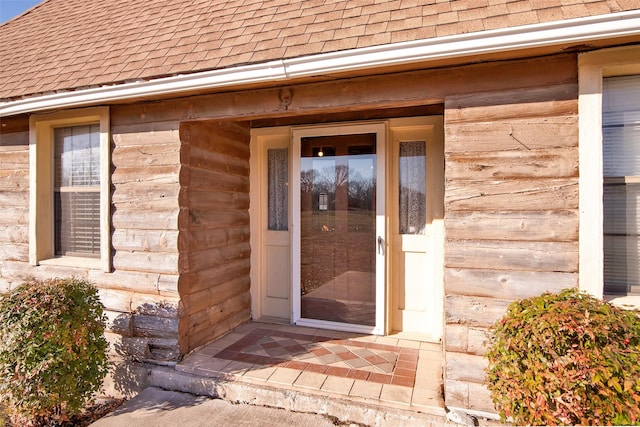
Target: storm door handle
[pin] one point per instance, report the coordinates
(380, 245)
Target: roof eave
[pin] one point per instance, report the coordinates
(578, 30)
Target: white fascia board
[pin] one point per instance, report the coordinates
(269, 71)
(579, 30)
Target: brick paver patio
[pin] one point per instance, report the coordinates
(381, 369)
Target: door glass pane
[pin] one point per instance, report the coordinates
(278, 176)
(338, 236)
(413, 187)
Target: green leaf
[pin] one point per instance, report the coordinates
(582, 351)
(43, 372)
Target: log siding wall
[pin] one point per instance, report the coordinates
(141, 292)
(511, 221)
(14, 200)
(214, 230)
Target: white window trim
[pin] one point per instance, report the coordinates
(592, 68)
(41, 169)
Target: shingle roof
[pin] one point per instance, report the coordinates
(69, 44)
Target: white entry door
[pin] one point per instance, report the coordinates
(339, 241)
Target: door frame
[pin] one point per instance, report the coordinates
(380, 130)
(263, 279)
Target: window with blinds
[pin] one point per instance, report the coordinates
(621, 172)
(77, 190)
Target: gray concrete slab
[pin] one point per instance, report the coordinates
(158, 407)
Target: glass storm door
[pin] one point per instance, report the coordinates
(339, 241)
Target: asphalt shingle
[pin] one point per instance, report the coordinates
(66, 44)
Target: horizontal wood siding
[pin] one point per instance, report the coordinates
(511, 210)
(142, 291)
(408, 89)
(214, 230)
(14, 197)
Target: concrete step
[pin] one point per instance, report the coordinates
(157, 407)
(343, 408)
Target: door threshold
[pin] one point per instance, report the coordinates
(272, 320)
(338, 326)
(413, 336)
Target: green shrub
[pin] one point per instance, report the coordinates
(52, 349)
(564, 359)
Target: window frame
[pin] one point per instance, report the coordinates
(593, 67)
(41, 182)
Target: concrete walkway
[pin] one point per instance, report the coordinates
(157, 407)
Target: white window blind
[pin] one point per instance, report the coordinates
(621, 171)
(77, 190)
